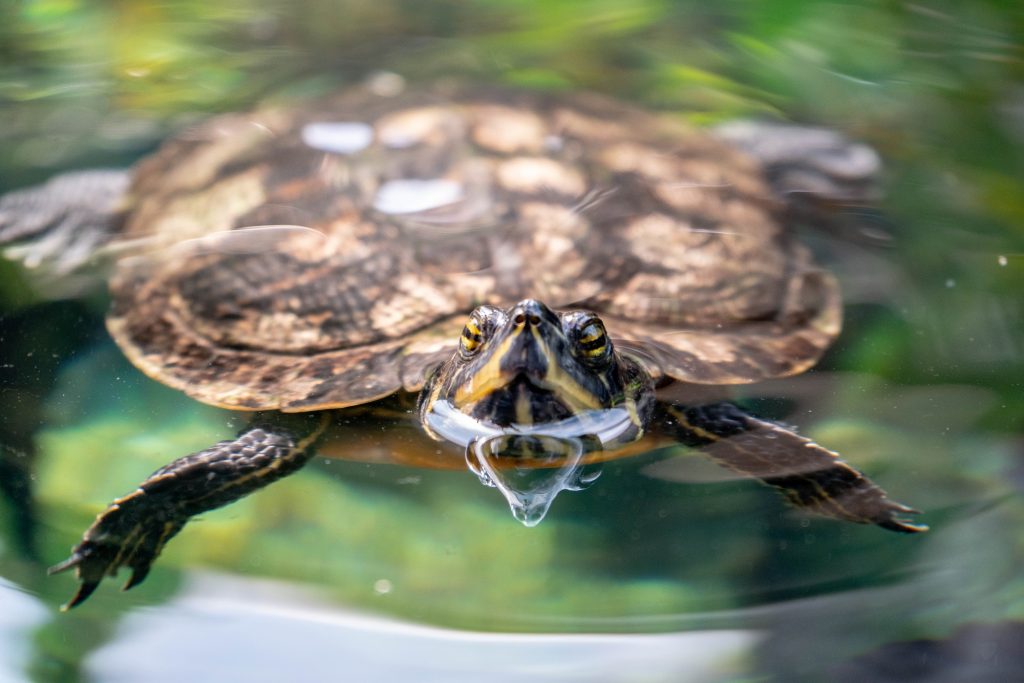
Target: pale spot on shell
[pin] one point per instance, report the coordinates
(412, 303)
(226, 138)
(659, 239)
(534, 174)
(385, 84)
(575, 124)
(507, 130)
(412, 195)
(427, 125)
(553, 219)
(690, 198)
(342, 137)
(626, 156)
(193, 215)
(552, 257)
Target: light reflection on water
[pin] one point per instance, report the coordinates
(20, 615)
(256, 630)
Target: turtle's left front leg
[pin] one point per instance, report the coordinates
(133, 530)
(810, 476)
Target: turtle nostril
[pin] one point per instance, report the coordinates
(531, 313)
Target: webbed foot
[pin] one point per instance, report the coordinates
(127, 534)
(59, 226)
(135, 528)
(809, 476)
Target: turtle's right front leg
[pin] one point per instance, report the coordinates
(135, 528)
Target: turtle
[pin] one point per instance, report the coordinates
(530, 269)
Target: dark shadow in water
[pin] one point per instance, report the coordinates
(34, 343)
(975, 652)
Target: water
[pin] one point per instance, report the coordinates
(665, 568)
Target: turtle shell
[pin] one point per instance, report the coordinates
(407, 211)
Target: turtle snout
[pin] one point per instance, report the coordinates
(532, 313)
(526, 355)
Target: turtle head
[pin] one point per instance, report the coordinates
(529, 393)
(528, 367)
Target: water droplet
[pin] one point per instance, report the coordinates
(346, 137)
(413, 195)
(554, 143)
(505, 462)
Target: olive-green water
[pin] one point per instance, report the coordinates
(664, 569)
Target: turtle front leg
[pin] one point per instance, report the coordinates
(133, 530)
(811, 477)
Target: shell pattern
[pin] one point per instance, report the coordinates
(407, 211)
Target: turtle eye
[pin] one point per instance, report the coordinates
(472, 338)
(592, 341)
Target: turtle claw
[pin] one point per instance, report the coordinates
(904, 509)
(126, 535)
(903, 526)
(889, 520)
(90, 565)
(70, 563)
(81, 595)
(93, 561)
(139, 575)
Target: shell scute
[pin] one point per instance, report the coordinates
(392, 217)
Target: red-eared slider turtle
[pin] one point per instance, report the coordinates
(532, 265)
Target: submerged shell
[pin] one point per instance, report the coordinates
(414, 209)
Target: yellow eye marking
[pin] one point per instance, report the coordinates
(472, 337)
(594, 341)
